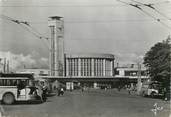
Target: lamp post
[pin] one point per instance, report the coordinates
(139, 84)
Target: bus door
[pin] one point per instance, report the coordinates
(22, 90)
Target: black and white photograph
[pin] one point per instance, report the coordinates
(85, 58)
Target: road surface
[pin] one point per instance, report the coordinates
(90, 103)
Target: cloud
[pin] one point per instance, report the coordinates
(18, 61)
(42, 63)
(44, 59)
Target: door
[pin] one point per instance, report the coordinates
(22, 95)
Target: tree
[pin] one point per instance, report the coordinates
(157, 60)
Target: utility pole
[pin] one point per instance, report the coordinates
(1, 65)
(4, 65)
(8, 66)
(139, 84)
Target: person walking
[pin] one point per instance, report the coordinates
(60, 91)
(165, 94)
(82, 89)
(39, 92)
(129, 90)
(44, 94)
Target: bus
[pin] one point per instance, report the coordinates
(17, 87)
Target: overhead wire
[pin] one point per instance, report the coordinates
(153, 8)
(41, 37)
(139, 8)
(75, 5)
(9, 18)
(32, 28)
(25, 25)
(100, 21)
(46, 45)
(86, 21)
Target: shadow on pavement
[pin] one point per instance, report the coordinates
(25, 103)
(51, 94)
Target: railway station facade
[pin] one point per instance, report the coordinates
(91, 65)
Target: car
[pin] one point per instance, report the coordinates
(152, 89)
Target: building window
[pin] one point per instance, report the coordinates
(89, 67)
(95, 67)
(108, 67)
(82, 68)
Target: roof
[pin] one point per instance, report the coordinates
(129, 68)
(56, 17)
(14, 75)
(90, 55)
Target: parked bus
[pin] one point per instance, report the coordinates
(17, 87)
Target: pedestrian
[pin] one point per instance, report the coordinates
(39, 92)
(119, 88)
(105, 88)
(62, 91)
(44, 94)
(82, 89)
(165, 94)
(129, 89)
(59, 91)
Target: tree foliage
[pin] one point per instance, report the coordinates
(158, 60)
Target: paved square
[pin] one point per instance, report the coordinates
(90, 103)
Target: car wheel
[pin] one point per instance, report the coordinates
(8, 98)
(153, 94)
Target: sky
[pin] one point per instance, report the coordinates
(90, 26)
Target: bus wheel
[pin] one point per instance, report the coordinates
(8, 98)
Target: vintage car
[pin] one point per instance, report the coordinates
(152, 89)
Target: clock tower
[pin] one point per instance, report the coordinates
(56, 57)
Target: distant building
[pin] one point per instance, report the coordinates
(4, 65)
(1, 67)
(131, 72)
(36, 72)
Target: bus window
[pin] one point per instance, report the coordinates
(1, 82)
(14, 82)
(27, 82)
(8, 82)
(22, 84)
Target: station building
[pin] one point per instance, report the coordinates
(91, 65)
(92, 69)
(75, 65)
